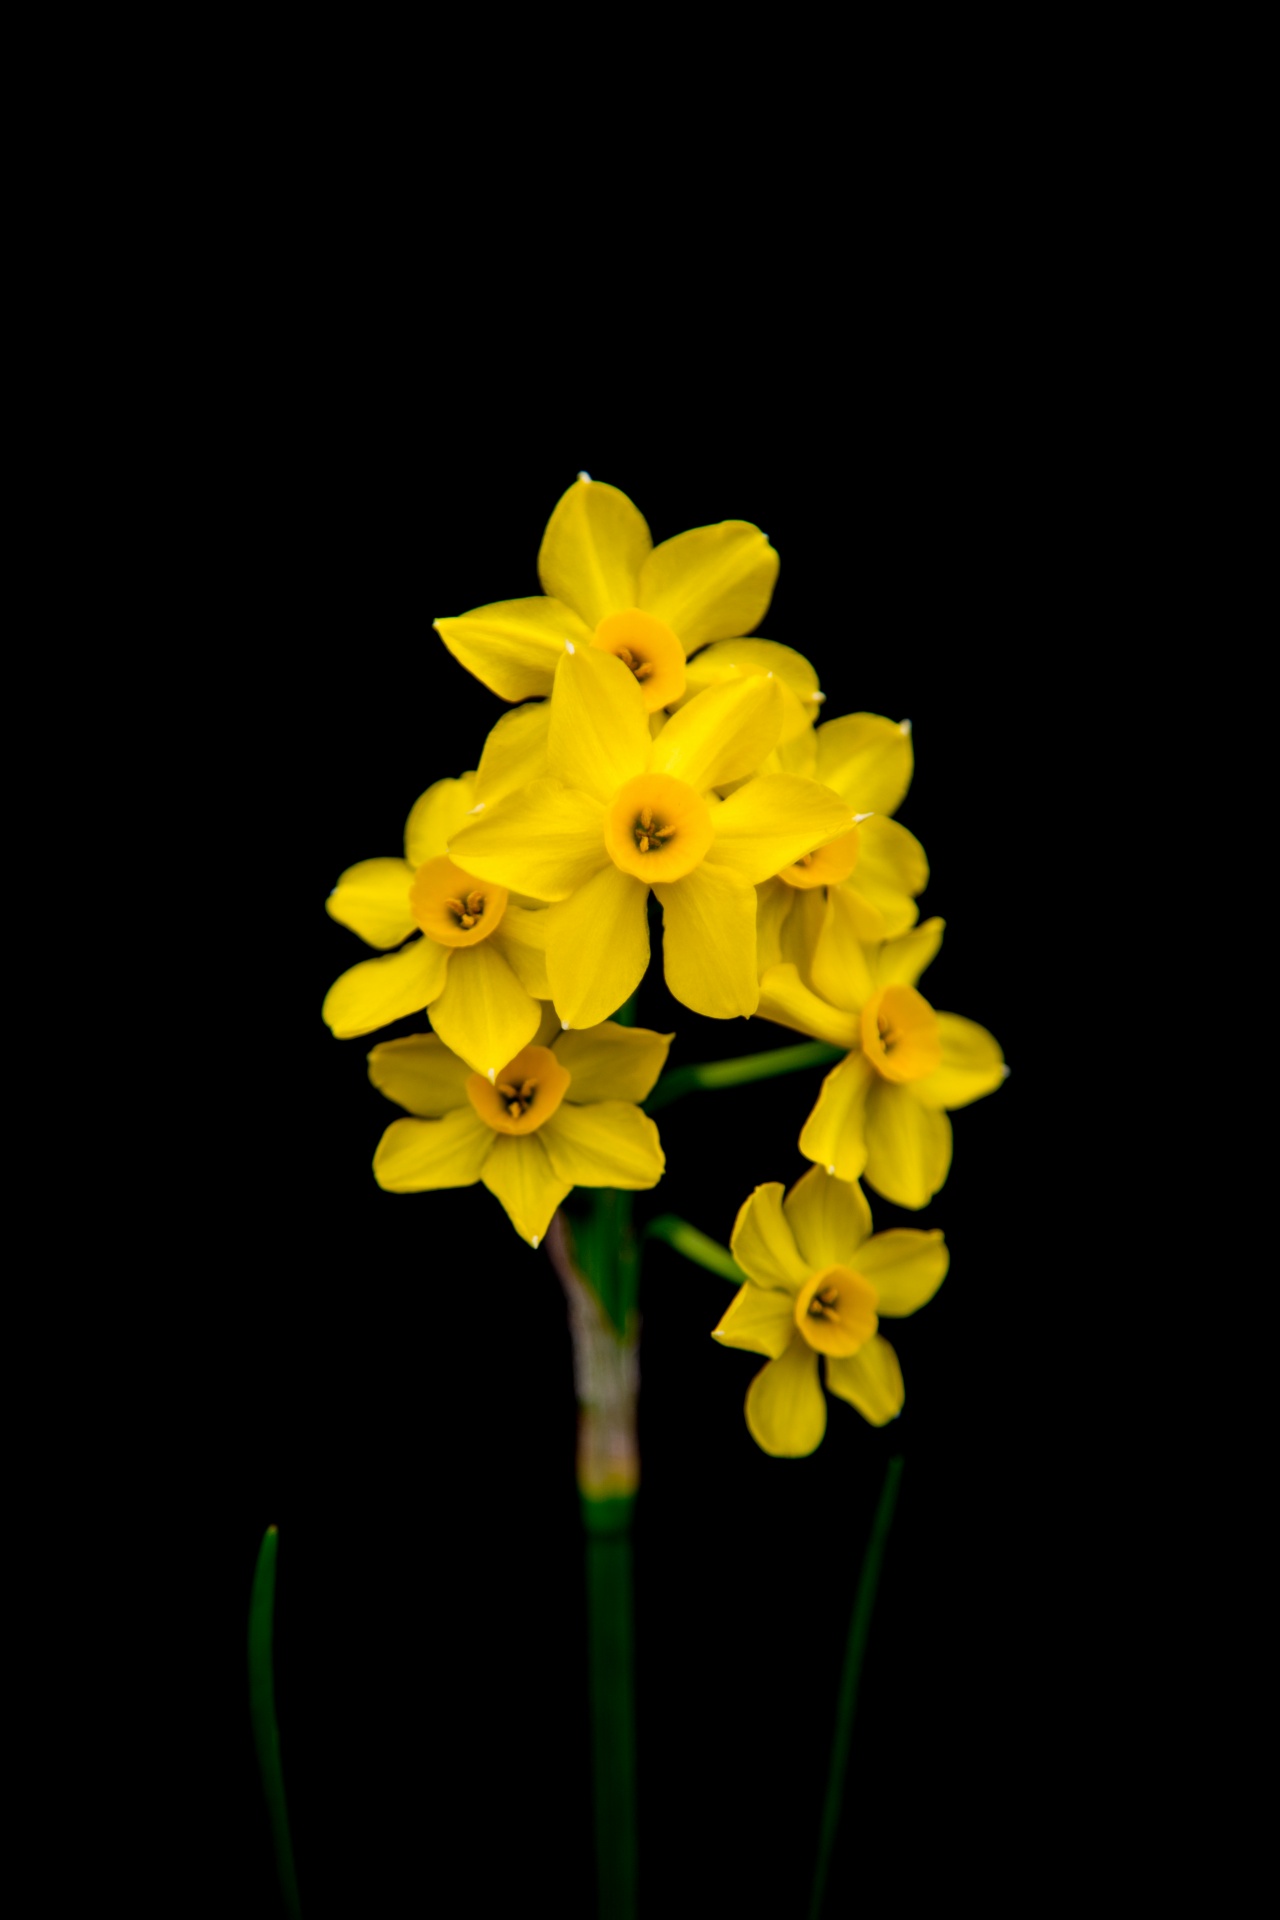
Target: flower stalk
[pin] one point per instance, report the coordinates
(856, 1647)
(598, 1264)
(713, 1074)
(262, 1712)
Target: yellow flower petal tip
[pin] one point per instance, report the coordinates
(586, 477)
(569, 647)
(858, 818)
(904, 726)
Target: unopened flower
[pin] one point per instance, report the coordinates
(479, 965)
(561, 1114)
(882, 1112)
(818, 1285)
(623, 812)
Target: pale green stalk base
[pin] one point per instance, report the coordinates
(735, 1073)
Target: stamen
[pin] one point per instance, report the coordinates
(625, 654)
(646, 817)
(514, 1109)
(507, 1091)
(455, 906)
(643, 843)
(663, 833)
(643, 671)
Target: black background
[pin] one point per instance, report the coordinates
(388, 1378)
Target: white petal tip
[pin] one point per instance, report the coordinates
(817, 698)
(492, 1075)
(435, 623)
(534, 1242)
(1005, 1072)
(769, 675)
(478, 807)
(831, 1170)
(569, 647)
(904, 726)
(858, 818)
(586, 477)
(564, 1026)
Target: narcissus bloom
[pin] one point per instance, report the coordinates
(560, 1115)
(867, 760)
(606, 585)
(819, 1284)
(480, 963)
(622, 811)
(881, 1114)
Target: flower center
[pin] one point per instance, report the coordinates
(900, 1034)
(524, 1095)
(836, 1311)
(657, 828)
(649, 649)
(452, 907)
(825, 866)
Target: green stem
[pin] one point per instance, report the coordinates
(859, 1627)
(613, 1731)
(735, 1073)
(262, 1712)
(695, 1246)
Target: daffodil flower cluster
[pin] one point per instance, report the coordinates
(652, 748)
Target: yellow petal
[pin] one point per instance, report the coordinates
(759, 1320)
(773, 904)
(519, 1175)
(598, 947)
(972, 1065)
(906, 1268)
(763, 1243)
(785, 998)
(549, 1028)
(870, 1380)
(419, 1074)
(599, 736)
(709, 942)
(795, 752)
(830, 1219)
(513, 645)
(521, 939)
(372, 898)
(416, 1155)
(772, 821)
(379, 991)
(593, 549)
(908, 1146)
(607, 1144)
(710, 583)
(840, 966)
(544, 841)
(786, 1412)
(484, 1015)
(867, 759)
(721, 736)
(610, 1062)
(515, 752)
(731, 659)
(900, 962)
(835, 1133)
(891, 870)
(435, 816)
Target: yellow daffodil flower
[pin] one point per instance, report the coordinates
(480, 964)
(867, 760)
(560, 1115)
(818, 1283)
(882, 1112)
(606, 585)
(622, 812)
